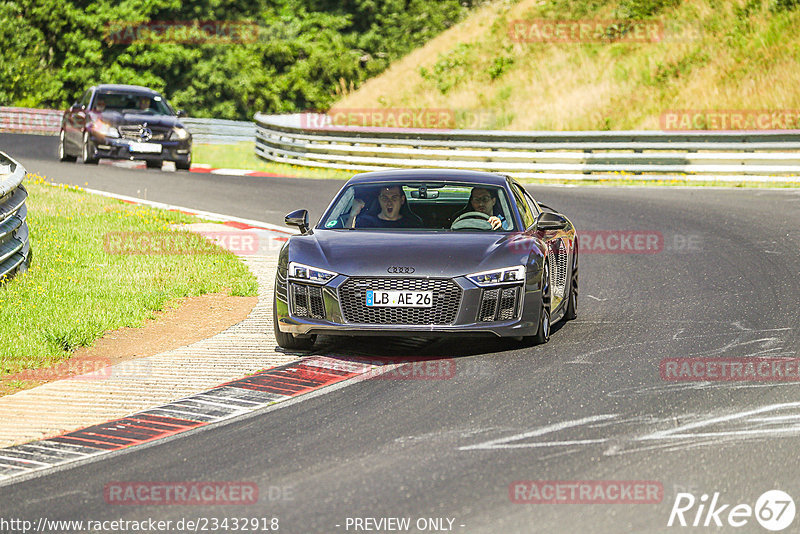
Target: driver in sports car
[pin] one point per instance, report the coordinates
(394, 212)
(484, 201)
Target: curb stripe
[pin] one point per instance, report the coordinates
(225, 401)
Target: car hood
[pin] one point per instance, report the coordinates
(438, 254)
(117, 118)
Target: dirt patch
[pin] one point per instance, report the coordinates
(193, 319)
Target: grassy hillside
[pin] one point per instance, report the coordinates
(714, 55)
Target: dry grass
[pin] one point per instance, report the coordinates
(714, 58)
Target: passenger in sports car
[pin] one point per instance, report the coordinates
(394, 212)
(485, 201)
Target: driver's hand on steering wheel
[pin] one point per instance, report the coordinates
(495, 221)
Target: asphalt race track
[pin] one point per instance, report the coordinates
(591, 405)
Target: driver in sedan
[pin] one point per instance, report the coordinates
(484, 200)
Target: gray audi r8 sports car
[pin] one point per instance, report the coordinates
(427, 252)
(124, 122)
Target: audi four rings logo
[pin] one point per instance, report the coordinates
(145, 133)
(400, 270)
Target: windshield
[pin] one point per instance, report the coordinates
(422, 206)
(132, 103)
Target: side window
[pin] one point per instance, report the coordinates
(532, 204)
(522, 204)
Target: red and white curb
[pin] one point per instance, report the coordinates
(227, 401)
(197, 167)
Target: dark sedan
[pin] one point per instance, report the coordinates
(124, 122)
(427, 252)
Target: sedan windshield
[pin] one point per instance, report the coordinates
(422, 206)
(132, 103)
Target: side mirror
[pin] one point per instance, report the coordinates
(550, 221)
(298, 218)
(180, 113)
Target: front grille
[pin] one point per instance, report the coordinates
(499, 304)
(558, 256)
(132, 133)
(446, 301)
(307, 301)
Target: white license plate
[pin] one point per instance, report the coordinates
(149, 148)
(407, 299)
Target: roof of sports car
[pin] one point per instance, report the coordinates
(438, 175)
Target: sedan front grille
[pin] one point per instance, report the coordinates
(307, 301)
(446, 301)
(132, 133)
(499, 304)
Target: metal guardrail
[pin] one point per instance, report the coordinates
(693, 155)
(15, 248)
(48, 122)
(219, 131)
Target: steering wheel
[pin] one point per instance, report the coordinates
(472, 220)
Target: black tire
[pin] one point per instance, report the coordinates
(87, 145)
(572, 304)
(184, 165)
(62, 149)
(543, 334)
(153, 164)
(288, 341)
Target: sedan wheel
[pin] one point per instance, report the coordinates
(62, 150)
(86, 152)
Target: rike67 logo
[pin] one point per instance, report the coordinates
(774, 510)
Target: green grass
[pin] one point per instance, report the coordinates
(75, 290)
(242, 156)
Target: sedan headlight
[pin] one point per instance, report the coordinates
(306, 273)
(499, 276)
(104, 129)
(180, 134)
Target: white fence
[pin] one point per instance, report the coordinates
(694, 155)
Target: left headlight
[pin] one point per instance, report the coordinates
(499, 276)
(105, 129)
(180, 133)
(306, 273)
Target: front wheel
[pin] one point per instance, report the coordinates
(88, 151)
(184, 165)
(543, 335)
(288, 341)
(62, 150)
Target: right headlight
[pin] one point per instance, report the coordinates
(499, 276)
(306, 273)
(180, 133)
